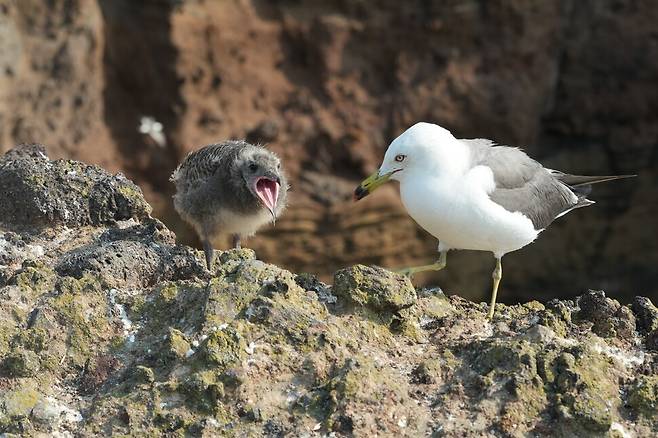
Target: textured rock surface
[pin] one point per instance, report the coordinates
(37, 192)
(329, 84)
(110, 328)
(374, 287)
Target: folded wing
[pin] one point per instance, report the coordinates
(524, 185)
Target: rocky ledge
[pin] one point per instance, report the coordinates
(108, 327)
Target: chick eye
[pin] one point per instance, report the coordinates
(253, 167)
(400, 158)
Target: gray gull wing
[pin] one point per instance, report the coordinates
(523, 184)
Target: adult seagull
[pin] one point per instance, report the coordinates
(473, 194)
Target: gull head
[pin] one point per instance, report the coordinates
(423, 148)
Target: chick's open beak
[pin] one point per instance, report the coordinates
(370, 184)
(267, 190)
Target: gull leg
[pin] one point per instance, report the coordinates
(236, 241)
(497, 275)
(209, 251)
(440, 264)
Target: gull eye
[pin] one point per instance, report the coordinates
(253, 167)
(400, 158)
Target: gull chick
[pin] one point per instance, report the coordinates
(232, 187)
(472, 194)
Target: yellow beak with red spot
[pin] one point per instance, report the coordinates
(371, 184)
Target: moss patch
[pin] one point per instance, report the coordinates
(374, 287)
(643, 396)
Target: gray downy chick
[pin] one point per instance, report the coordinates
(232, 187)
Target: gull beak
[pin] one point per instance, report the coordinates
(370, 184)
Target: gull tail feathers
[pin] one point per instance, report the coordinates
(585, 180)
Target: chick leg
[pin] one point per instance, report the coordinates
(209, 251)
(236, 241)
(497, 275)
(440, 264)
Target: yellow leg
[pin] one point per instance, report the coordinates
(440, 264)
(497, 275)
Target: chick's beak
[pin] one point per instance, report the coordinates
(267, 190)
(370, 184)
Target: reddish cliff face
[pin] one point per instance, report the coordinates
(328, 84)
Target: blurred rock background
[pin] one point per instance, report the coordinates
(328, 84)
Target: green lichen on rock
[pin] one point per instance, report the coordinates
(19, 403)
(143, 374)
(428, 371)
(229, 260)
(555, 322)
(498, 356)
(80, 308)
(128, 412)
(361, 397)
(287, 310)
(223, 348)
(509, 367)
(374, 287)
(176, 304)
(203, 391)
(34, 338)
(587, 389)
(643, 396)
(174, 347)
(35, 279)
(21, 363)
(413, 321)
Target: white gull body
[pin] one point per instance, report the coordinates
(462, 216)
(449, 197)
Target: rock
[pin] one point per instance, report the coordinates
(232, 259)
(609, 318)
(427, 372)
(97, 371)
(133, 255)
(643, 396)
(175, 347)
(129, 261)
(204, 389)
(348, 399)
(21, 364)
(374, 287)
(19, 403)
(224, 348)
(143, 374)
(53, 414)
(38, 192)
(646, 314)
(540, 334)
(588, 393)
(652, 340)
(322, 290)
